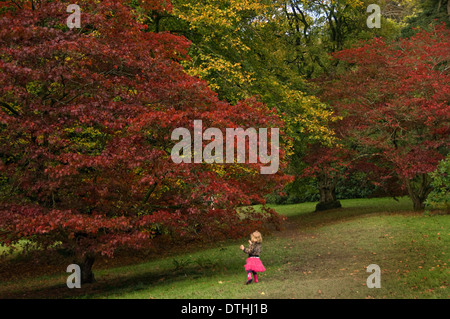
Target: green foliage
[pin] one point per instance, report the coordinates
(439, 198)
(356, 185)
(428, 13)
(302, 190)
(243, 49)
(317, 28)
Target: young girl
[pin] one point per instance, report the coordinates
(253, 264)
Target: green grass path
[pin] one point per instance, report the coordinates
(317, 255)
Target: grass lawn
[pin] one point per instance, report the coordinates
(317, 255)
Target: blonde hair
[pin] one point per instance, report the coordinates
(256, 237)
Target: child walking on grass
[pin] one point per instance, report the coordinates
(253, 264)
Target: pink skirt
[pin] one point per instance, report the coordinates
(254, 264)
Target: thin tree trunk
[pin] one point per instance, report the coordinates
(418, 189)
(327, 190)
(448, 9)
(87, 276)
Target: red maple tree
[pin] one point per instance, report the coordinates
(327, 165)
(394, 100)
(85, 123)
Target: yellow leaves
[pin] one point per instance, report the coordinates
(95, 34)
(21, 141)
(219, 170)
(351, 3)
(221, 14)
(179, 183)
(55, 87)
(228, 170)
(218, 71)
(34, 87)
(309, 116)
(218, 21)
(203, 14)
(355, 3)
(132, 91)
(214, 59)
(84, 138)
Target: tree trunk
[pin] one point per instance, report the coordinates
(418, 189)
(418, 205)
(327, 190)
(87, 276)
(448, 9)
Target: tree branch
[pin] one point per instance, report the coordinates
(9, 108)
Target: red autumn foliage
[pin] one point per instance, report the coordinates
(85, 123)
(394, 100)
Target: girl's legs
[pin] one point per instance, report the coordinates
(255, 276)
(249, 277)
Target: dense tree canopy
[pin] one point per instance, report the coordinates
(394, 102)
(86, 119)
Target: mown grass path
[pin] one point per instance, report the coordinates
(317, 255)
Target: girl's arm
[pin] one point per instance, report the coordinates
(243, 248)
(248, 250)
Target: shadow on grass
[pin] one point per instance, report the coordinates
(118, 281)
(351, 209)
(108, 284)
(115, 282)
